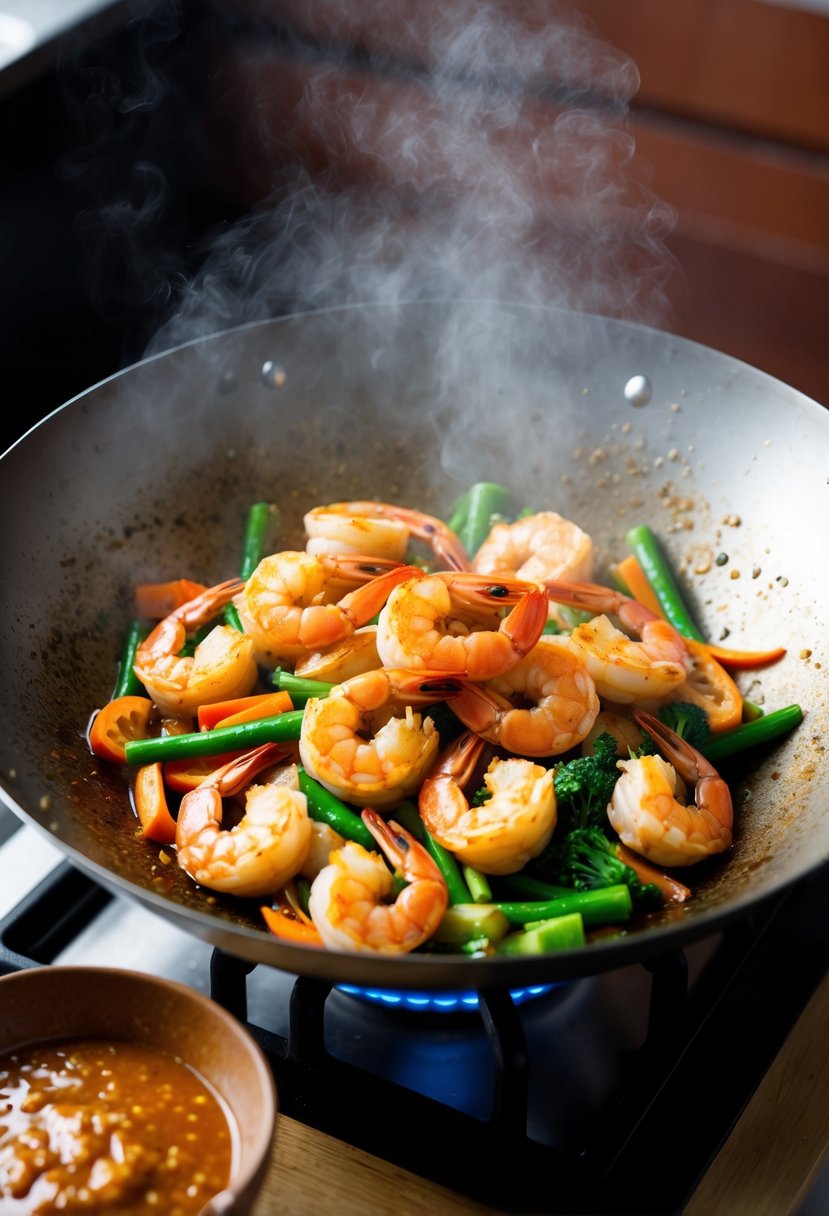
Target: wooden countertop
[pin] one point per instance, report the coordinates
(766, 1167)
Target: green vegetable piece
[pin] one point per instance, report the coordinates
(486, 502)
(469, 922)
(559, 933)
(407, 816)
(478, 884)
(128, 684)
(280, 728)
(325, 807)
(644, 544)
(584, 786)
(688, 720)
(526, 887)
(260, 515)
(299, 689)
(753, 734)
(586, 860)
(598, 907)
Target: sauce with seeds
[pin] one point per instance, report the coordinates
(115, 1127)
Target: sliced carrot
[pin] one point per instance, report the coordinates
(151, 805)
(244, 709)
(154, 601)
(710, 686)
(634, 578)
(285, 924)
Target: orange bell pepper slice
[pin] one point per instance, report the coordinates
(119, 721)
(185, 775)
(151, 805)
(710, 686)
(244, 709)
(290, 926)
(154, 601)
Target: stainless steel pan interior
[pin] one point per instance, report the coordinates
(148, 476)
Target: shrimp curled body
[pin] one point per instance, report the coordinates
(384, 529)
(513, 825)
(292, 602)
(365, 743)
(222, 666)
(449, 622)
(625, 671)
(266, 848)
(536, 547)
(543, 706)
(647, 808)
(347, 900)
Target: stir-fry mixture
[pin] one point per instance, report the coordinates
(418, 734)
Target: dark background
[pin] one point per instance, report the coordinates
(127, 153)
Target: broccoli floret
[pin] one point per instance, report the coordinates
(586, 859)
(688, 720)
(584, 786)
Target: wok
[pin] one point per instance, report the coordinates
(148, 476)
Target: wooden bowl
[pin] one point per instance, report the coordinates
(57, 1003)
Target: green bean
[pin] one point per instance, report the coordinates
(325, 807)
(597, 907)
(280, 728)
(645, 547)
(406, 815)
(753, 734)
(128, 684)
(524, 886)
(487, 500)
(478, 885)
(458, 514)
(259, 517)
(298, 688)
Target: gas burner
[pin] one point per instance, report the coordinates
(438, 1002)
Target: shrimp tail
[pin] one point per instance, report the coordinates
(479, 707)
(691, 765)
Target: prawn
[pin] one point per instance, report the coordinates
(537, 547)
(348, 520)
(363, 741)
(266, 848)
(513, 825)
(435, 623)
(222, 666)
(556, 707)
(647, 808)
(624, 671)
(290, 603)
(346, 900)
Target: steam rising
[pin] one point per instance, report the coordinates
(494, 163)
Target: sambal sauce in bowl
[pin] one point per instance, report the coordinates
(127, 1094)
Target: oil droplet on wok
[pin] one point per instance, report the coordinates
(273, 374)
(638, 390)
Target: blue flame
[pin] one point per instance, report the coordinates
(437, 1002)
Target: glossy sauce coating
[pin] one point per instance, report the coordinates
(96, 1126)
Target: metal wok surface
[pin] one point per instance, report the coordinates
(148, 476)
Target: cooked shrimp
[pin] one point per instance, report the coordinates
(286, 605)
(261, 852)
(537, 547)
(624, 671)
(435, 623)
(556, 702)
(434, 532)
(338, 529)
(504, 832)
(648, 810)
(346, 901)
(365, 743)
(350, 657)
(222, 666)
